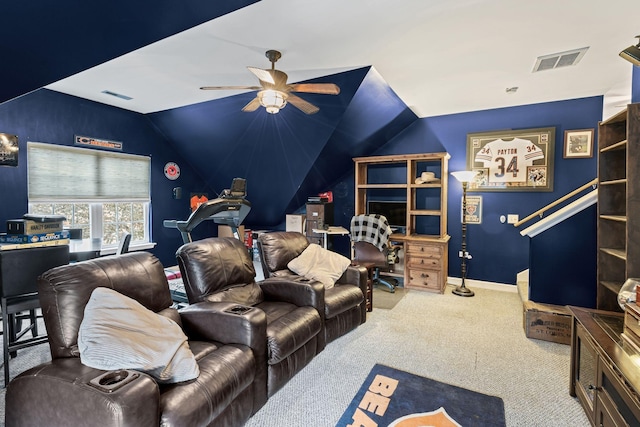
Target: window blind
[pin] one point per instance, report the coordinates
(57, 172)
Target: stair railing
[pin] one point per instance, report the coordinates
(540, 212)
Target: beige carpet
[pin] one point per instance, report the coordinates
(476, 343)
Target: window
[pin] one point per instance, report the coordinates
(77, 214)
(103, 193)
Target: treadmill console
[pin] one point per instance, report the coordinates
(230, 208)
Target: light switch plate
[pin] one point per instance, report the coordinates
(512, 218)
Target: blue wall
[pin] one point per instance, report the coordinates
(51, 117)
(286, 157)
(550, 281)
(499, 251)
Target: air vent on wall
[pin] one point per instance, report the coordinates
(558, 60)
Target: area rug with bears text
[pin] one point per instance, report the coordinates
(392, 398)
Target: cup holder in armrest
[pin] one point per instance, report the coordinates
(238, 309)
(113, 380)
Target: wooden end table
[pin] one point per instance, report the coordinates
(369, 295)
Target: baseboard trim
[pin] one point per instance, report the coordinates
(504, 287)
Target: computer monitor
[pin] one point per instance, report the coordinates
(394, 211)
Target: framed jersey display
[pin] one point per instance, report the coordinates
(515, 160)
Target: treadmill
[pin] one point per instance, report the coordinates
(230, 208)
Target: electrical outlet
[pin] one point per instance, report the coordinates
(512, 218)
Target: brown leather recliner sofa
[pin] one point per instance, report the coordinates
(229, 349)
(344, 304)
(249, 338)
(216, 270)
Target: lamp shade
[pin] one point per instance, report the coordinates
(272, 100)
(632, 53)
(464, 176)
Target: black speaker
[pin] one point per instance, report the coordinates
(75, 233)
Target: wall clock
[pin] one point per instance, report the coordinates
(171, 171)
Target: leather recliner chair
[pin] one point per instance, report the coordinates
(344, 304)
(228, 348)
(219, 269)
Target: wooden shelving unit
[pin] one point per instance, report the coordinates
(618, 204)
(425, 237)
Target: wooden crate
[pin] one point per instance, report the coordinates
(547, 322)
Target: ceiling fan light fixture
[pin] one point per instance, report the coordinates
(272, 100)
(274, 92)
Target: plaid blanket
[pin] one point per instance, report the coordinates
(372, 228)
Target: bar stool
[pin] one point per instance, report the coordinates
(19, 271)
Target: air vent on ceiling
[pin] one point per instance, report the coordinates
(117, 95)
(558, 60)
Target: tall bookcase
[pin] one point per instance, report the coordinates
(425, 239)
(618, 204)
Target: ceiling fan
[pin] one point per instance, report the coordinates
(274, 92)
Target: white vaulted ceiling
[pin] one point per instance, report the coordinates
(439, 56)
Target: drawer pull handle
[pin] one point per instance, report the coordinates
(424, 275)
(421, 249)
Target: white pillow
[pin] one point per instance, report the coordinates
(118, 332)
(317, 263)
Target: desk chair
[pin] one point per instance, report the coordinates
(370, 236)
(19, 270)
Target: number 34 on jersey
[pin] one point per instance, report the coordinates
(507, 161)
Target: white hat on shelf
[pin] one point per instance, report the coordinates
(426, 177)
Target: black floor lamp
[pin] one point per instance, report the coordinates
(464, 177)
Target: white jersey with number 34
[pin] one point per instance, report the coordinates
(508, 160)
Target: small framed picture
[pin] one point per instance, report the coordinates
(474, 210)
(578, 143)
(8, 150)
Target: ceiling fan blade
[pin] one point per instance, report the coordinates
(306, 107)
(322, 88)
(230, 87)
(253, 105)
(263, 75)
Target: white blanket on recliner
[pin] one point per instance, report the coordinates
(118, 332)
